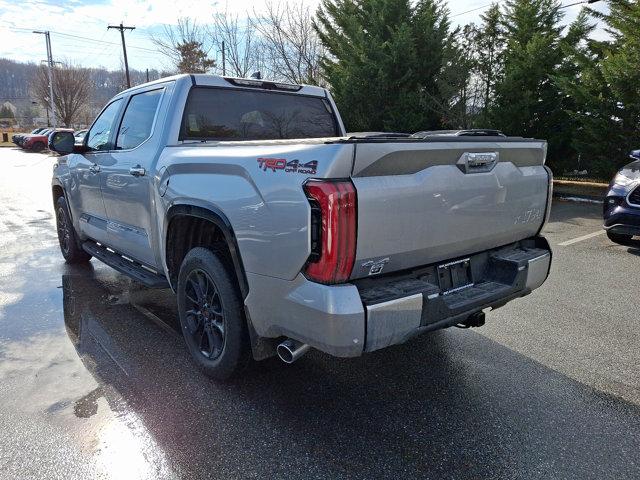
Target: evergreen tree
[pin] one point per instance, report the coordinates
(193, 58)
(489, 65)
(607, 91)
(459, 81)
(528, 101)
(576, 62)
(6, 112)
(384, 61)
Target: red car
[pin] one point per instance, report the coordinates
(38, 142)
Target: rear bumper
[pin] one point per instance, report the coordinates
(499, 275)
(375, 313)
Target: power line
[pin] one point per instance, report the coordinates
(97, 51)
(473, 10)
(581, 2)
(85, 38)
(99, 41)
(122, 28)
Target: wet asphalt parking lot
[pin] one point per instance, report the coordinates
(96, 383)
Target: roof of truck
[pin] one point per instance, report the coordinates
(207, 80)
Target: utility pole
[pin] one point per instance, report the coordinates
(122, 28)
(47, 37)
(224, 60)
(147, 75)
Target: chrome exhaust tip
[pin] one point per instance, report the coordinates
(290, 350)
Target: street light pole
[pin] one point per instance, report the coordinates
(50, 68)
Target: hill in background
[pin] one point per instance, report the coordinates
(15, 89)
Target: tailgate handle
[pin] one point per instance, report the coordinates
(477, 162)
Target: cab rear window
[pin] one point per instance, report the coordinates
(231, 114)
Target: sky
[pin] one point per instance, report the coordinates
(79, 27)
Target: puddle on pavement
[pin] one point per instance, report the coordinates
(92, 387)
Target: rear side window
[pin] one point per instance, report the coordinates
(228, 114)
(137, 121)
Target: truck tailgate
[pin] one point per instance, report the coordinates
(421, 202)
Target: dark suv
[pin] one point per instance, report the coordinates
(622, 204)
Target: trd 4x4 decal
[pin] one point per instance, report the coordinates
(293, 166)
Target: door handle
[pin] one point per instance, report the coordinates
(137, 171)
(95, 168)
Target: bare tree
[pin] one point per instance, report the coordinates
(290, 44)
(241, 46)
(71, 90)
(187, 45)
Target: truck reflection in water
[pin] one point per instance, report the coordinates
(123, 445)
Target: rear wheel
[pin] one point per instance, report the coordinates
(211, 315)
(620, 239)
(67, 238)
(37, 147)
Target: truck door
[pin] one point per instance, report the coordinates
(86, 199)
(127, 179)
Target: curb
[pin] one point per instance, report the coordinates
(580, 191)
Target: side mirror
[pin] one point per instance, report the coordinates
(635, 155)
(62, 142)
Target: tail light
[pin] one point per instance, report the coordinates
(333, 230)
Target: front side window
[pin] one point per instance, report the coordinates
(137, 121)
(229, 114)
(98, 136)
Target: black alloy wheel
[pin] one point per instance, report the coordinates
(69, 244)
(204, 314)
(212, 317)
(64, 231)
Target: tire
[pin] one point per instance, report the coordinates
(67, 237)
(620, 239)
(37, 147)
(211, 315)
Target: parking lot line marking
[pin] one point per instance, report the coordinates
(580, 239)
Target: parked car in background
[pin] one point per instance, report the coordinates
(39, 141)
(36, 141)
(279, 233)
(622, 204)
(79, 136)
(18, 137)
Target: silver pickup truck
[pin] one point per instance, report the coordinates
(279, 232)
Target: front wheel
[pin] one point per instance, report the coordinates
(211, 315)
(38, 147)
(67, 238)
(619, 239)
